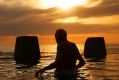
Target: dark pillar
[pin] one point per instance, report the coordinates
(95, 48)
(27, 50)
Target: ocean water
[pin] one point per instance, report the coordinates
(105, 70)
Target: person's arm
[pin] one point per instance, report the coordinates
(81, 60)
(51, 66)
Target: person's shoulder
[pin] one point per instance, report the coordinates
(72, 43)
(67, 43)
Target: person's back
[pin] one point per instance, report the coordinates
(66, 56)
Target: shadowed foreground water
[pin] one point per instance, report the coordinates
(107, 70)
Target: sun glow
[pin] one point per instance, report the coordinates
(63, 4)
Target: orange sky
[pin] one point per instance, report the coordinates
(80, 18)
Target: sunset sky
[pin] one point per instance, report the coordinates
(80, 18)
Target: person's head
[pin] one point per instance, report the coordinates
(60, 35)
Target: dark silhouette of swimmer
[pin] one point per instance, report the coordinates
(65, 62)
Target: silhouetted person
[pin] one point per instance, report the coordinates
(67, 55)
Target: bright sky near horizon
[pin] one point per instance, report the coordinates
(80, 18)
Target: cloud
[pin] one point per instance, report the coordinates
(23, 19)
(106, 20)
(104, 8)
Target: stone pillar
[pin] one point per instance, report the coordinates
(95, 48)
(27, 50)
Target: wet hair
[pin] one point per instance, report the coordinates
(61, 34)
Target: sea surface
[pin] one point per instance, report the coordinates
(105, 70)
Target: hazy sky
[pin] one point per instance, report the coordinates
(87, 18)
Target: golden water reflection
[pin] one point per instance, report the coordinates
(105, 70)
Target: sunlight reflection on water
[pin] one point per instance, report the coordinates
(106, 70)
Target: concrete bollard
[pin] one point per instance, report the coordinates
(95, 48)
(27, 50)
